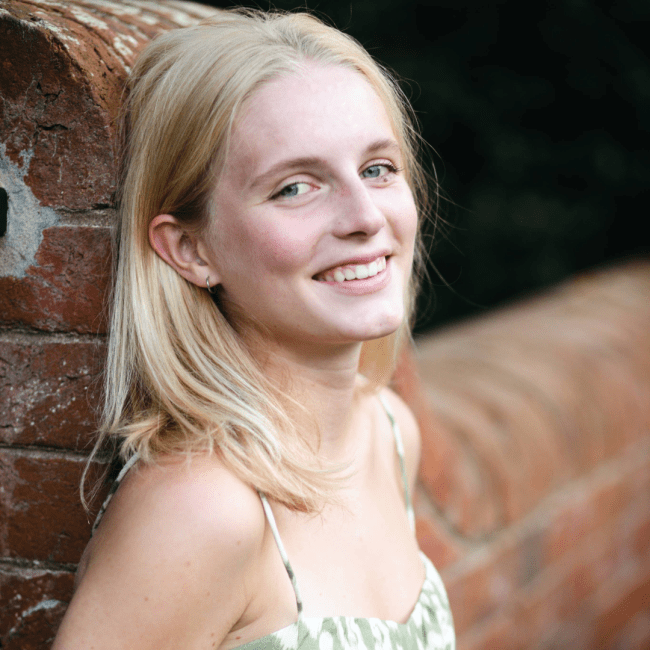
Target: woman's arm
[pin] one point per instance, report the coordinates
(169, 564)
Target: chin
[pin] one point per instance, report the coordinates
(377, 330)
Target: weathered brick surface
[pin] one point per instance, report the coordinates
(64, 291)
(548, 405)
(625, 600)
(64, 67)
(538, 394)
(62, 74)
(34, 601)
(41, 516)
(49, 390)
(49, 114)
(508, 589)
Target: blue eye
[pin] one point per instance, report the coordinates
(377, 171)
(294, 189)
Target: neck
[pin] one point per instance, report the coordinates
(326, 383)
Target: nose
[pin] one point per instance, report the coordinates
(358, 214)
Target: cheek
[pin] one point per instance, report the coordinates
(271, 247)
(283, 245)
(284, 251)
(405, 217)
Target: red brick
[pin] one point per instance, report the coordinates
(610, 502)
(547, 602)
(49, 390)
(568, 634)
(516, 443)
(612, 622)
(434, 540)
(31, 606)
(636, 633)
(537, 613)
(65, 290)
(641, 538)
(447, 470)
(443, 462)
(63, 72)
(640, 477)
(611, 559)
(49, 110)
(469, 599)
(450, 471)
(593, 511)
(567, 528)
(544, 391)
(576, 586)
(500, 632)
(529, 552)
(41, 516)
(487, 582)
(564, 586)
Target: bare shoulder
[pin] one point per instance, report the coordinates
(169, 561)
(409, 430)
(196, 494)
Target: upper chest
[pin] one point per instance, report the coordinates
(358, 559)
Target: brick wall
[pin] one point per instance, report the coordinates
(534, 493)
(62, 68)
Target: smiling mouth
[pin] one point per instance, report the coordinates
(352, 271)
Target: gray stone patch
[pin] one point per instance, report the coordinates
(26, 219)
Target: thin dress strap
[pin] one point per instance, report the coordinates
(116, 483)
(399, 446)
(283, 554)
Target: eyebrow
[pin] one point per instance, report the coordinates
(294, 164)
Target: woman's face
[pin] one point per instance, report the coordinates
(313, 227)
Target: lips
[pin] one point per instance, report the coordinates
(351, 272)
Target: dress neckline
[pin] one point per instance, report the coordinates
(418, 603)
(270, 517)
(317, 621)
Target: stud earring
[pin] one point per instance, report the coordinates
(207, 282)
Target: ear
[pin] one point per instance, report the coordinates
(182, 250)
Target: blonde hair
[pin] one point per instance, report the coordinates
(178, 376)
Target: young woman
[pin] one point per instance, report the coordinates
(269, 214)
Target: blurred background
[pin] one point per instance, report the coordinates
(538, 115)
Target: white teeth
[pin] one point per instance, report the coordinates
(356, 272)
(361, 271)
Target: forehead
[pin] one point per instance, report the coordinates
(319, 111)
